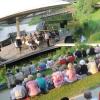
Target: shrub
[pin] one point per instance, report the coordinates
(94, 38)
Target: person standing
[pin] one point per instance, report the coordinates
(10, 78)
(47, 38)
(18, 43)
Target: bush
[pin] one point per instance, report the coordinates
(94, 38)
(3, 75)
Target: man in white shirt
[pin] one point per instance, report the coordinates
(47, 38)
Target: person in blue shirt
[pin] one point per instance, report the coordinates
(41, 83)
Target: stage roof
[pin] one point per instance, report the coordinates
(13, 8)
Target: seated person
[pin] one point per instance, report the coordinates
(78, 53)
(32, 68)
(24, 82)
(84, 54)
(19, 75)
(92, 67)
(83, 67)
(58, 78)
(18, 92)
(71, 58)
(41, 66)
(71, 75)
(62, 60)
(32, 87)
(26, 70)
(91, 51)
(50, 63)
(42, 83)
(97, 49)
(50, 83)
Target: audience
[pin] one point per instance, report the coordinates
(69, 71)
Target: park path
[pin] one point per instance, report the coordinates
(95, 94)
(5, 95)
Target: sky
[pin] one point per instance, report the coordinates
(9, 7)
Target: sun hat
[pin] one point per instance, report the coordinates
(82, 62)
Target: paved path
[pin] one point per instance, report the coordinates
(5, 95)
(95, 94)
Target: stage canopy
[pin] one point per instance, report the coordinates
(13, 8)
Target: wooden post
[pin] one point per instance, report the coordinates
(17, 26)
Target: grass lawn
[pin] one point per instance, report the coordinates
(72, 89)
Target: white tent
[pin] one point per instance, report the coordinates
(11, 7)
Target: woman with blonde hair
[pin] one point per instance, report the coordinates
(71, 75)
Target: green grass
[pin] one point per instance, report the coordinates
(73, 89)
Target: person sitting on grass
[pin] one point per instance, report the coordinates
(91, 51)
(70, 58)
(62, 60)
(32, 87)
(24, 82)
(32, 68)
(18, 92)
(78, 53)
(83, 68)
(71, 75)
(84, 54)
(50, 83)
(41, 66)
(97, 49)
(50, 63)
(58, 78)
(19, 75)
(42, 83)
(26, 70)
(92, 67)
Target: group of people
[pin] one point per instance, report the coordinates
(65, 69)
(36, 39)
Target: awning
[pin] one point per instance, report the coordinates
(12, 8)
